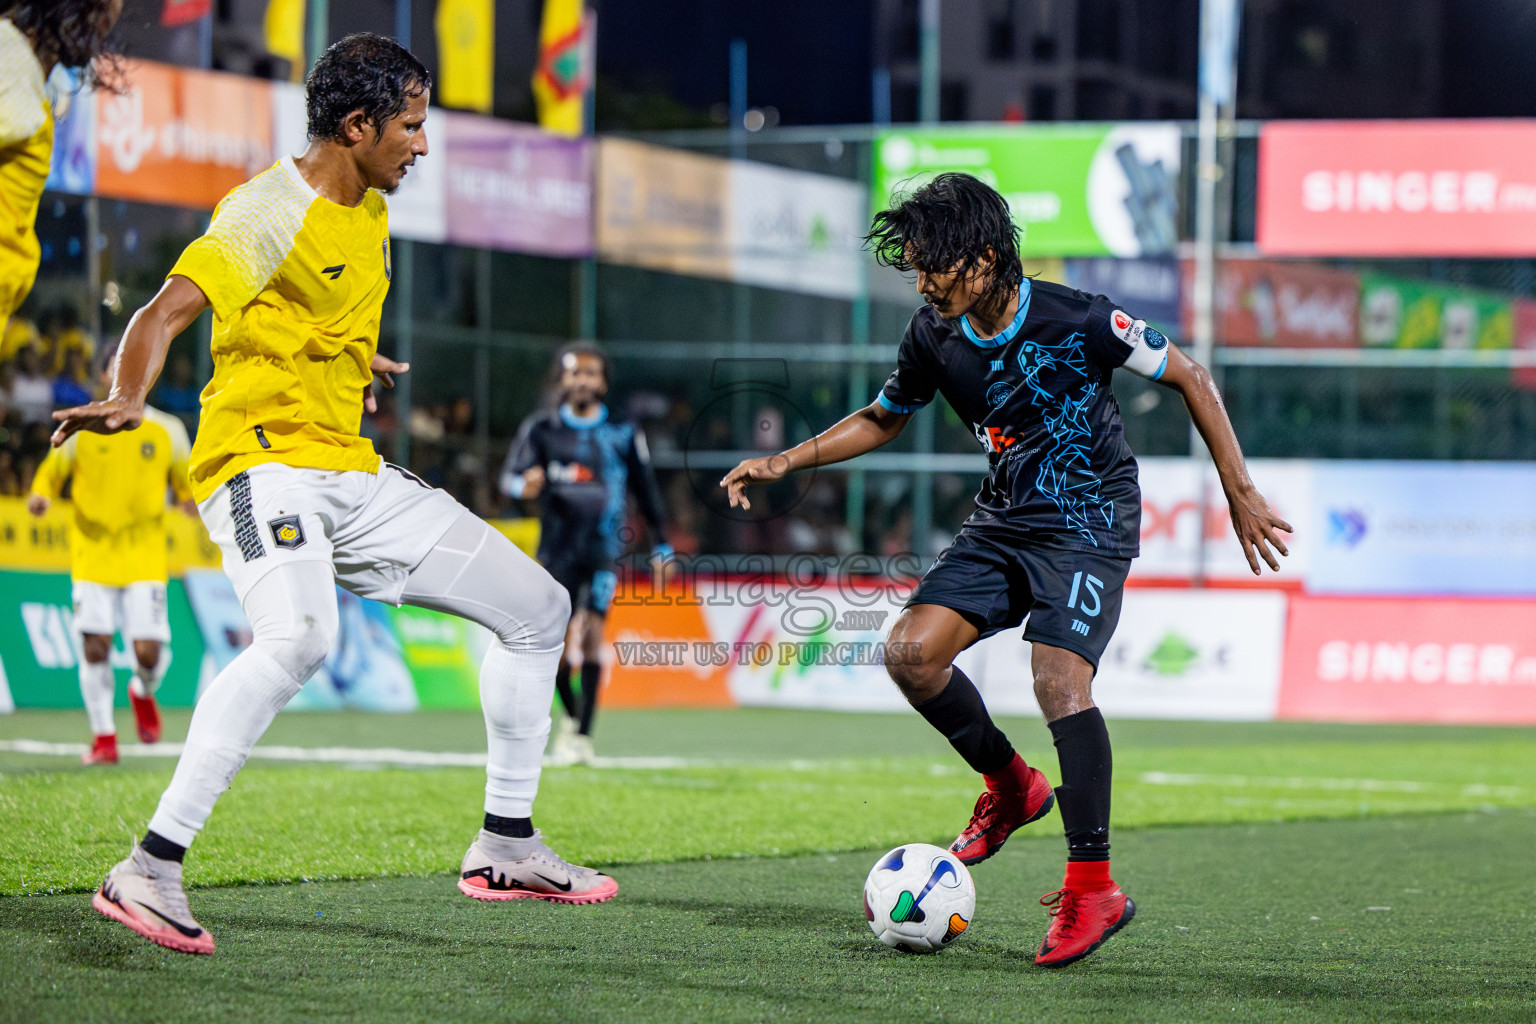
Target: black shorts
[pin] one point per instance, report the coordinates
(591, 588)
(1071, 598)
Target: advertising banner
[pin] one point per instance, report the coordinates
(1395, 313)
(1525, 341)
(796, 231)
(73, 167)
(1170, 521)
(181, 137)
(1148, 289)
(1075, 190)
(1403, 660)
(1397, 188)
(663, 208)
(1212, 655)
(42, 542)
(1423, 528)
(515, 187)
(40, 650)
(1270, 304)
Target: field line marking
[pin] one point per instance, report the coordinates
(339, 755)
(1306, 782)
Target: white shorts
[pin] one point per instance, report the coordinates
(137, 609)
(373, 528)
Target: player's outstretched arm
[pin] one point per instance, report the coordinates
(140, 358)
(1255, 524)
(850, 437)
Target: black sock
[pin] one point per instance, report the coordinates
(563, 688)
(156, 845)
(591, 679)
(1082, 747)
(512, 828)
(958, 713)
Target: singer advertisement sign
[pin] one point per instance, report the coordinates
(1076, 190)
(1397, 188)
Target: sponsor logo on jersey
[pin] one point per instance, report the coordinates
(1132, 331)
(1154, 338)
(569, 473)
(287, 532)
(1121, 321)
(993, 439)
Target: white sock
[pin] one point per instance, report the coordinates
(97, 687)
(146, 681)
(230, 717)
(516, 689)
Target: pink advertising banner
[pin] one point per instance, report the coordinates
(1397, 188)
(514, 187)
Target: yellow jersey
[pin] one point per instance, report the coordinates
(119, 497)
(26, 147)
(297, 285)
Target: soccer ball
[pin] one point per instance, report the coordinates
(919, 898)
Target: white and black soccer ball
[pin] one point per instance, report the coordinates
(919, 898)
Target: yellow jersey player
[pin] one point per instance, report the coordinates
(118, 560)
(295, 265)
(35, 37)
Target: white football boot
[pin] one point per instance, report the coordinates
(501, 868)
(144, 893)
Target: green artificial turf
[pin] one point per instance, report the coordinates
(1424, 918)
(764, 783)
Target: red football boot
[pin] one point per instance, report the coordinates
(1085, 912)
(1013, 798)
(103, 751)
(146, 715)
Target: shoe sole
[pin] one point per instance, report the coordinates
(600, 895)
(170, 940)
(1125, 919)
(1045, 808)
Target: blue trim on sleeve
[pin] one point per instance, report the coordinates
(905, 410)
(1025, 291)
(1159, 374)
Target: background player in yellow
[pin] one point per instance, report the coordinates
(295, 265)
(35, 37)
(118, 559)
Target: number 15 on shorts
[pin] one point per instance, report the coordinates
(1084, 599)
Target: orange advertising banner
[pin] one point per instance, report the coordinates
(180, 137)
(655, 662)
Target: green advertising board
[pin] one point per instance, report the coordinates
(1075, 190)
(1395, 313)
(39, 650)
(443, 654)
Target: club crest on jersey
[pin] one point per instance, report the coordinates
(998, 393)
(287, 532)
(389, 267)
(147, 449)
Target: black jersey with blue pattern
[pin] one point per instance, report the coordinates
(591, 464)
(1037, 397)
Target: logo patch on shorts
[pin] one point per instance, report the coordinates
(287, 532)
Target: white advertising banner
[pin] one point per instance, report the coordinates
(1193, 654)
(796, 231)
(419, 208)
(1424, 528)
(1170, 520)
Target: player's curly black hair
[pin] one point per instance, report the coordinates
(72, 32)
(946, 225)
(366, 72)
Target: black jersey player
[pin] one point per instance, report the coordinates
(584, 465)
(1027, 364)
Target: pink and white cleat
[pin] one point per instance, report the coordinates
(144, 894)
(501, 868)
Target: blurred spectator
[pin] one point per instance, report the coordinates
(178, 393)
(31, 390)
(64, 332)
(70, 386)
(10, 482)
(19, 333)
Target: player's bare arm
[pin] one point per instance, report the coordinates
(852, 436)
(1258, 528)
(140, 358)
